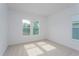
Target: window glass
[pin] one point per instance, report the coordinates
(26, 27)
(36, 28)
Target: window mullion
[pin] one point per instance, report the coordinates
(31, 29)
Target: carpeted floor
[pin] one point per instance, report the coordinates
(40, 48)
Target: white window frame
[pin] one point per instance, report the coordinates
(33, 25)
(31, 28)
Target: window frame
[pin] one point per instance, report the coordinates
(26, 27)
(39, 28)
(31, 28)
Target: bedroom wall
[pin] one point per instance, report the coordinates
(60, 27)
(15, 27)
(3, 28)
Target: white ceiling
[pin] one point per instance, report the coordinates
(43, 9)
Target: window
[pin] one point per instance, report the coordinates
(36, 28)
(75, 27)
(28, 29)
(75, 31)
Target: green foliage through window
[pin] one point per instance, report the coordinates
(36, 28)
(27, 27)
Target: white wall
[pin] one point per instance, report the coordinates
(60, 27)
(15, 28)
(3, 28)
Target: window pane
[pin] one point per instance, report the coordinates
(26, 27)
(36, 28)
(75, 31)
(75, 27)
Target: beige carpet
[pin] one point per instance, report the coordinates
(40, 48)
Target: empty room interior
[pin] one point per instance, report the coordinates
(39, 29)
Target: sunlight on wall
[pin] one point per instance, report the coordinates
(34, 49)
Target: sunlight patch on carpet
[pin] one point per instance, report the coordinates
(46, 46)
(28, 46)
(33, 50)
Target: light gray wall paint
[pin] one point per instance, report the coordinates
(60, 27)
(15, 28)
(3, 28)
